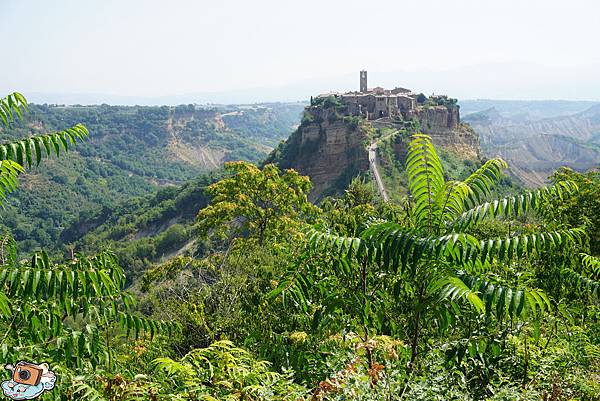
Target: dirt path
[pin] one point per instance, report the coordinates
(374, 169)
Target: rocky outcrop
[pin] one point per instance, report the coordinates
(326, 147)
(462, 141)
(443, 124)
(331, 148)
(437, 119)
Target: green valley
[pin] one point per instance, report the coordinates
(300, 200)
(132, 152)
(260, 283)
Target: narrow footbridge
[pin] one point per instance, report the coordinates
(373, 166)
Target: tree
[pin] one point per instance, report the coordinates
(58, 313)
(259, 203)
(223, 371)
(39, 296)
(402, 277)
(586, 278)
(582, 208)
(347, 213)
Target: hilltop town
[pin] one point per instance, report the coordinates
(378, 102)
(435, 114)
(329, 145)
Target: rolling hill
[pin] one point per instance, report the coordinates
(132, 152)
(535, 147)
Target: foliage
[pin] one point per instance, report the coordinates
(212, 297)
(140, 231)
(426, 272)
(14, 155)
(266, 123)
(587, 277)
(223, 370)
(328, 102)
(346, 213)
(133, 153)
(11, 107)
(446, 294)
(441, 100)
(578, 209)
(261, 203)
(60, 313)
(65, 309)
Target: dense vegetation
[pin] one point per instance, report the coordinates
(133, 151)
(447, 294)
(141, 231)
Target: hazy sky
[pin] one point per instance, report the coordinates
(159, 48)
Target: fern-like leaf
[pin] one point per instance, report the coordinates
(11, 107)
(591, 265)
(449, 202)
(504, 300)
(453, 288)
(173, 368)
(587, 278)
(8, 248)
(502, 249)
(511, 206)
(425, 177)
(9, 177)
(84, 392)
(31, 150)
(42, 294)
(481, 181)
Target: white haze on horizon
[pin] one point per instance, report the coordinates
(234, 51)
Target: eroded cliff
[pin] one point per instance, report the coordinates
(331, 147)
(443, 124)
(327, 147)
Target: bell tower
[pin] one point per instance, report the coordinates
(363, 81)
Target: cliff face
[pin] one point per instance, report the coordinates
(442, 123)
(327, 148)
(437, 119)
(331, 148)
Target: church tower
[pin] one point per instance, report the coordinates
(363, 81)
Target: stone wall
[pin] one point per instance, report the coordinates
(406, 103)
(437, 118)
(381, 106)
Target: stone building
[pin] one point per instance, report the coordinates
(378, 102)
(363, 82)
(330, 148)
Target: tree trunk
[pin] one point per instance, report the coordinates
(416, 332)
(363, 279)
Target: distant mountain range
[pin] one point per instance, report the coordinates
(526, 109)
(534, 140)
